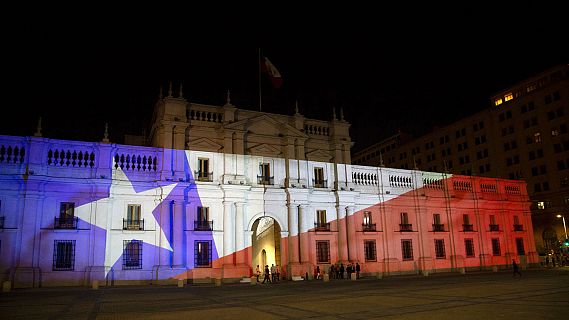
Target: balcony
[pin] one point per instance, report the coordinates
(65, 223)
(437, 227)
(406, 227)
(368, 227)
(203, 176)
(265, 180)
(132, 224)
(518, 227)
(320, 183)
(467, 227)
(203, 225)
(494, 227)
(322, 226)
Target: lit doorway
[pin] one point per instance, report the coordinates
(266, 240)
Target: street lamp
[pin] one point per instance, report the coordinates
(564, 226)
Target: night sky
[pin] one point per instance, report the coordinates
(382, 86)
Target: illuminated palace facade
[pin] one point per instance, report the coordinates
(224, 189)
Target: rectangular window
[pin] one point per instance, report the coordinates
(407, 249)
(437, 225)
(321, 220)
(66, 210)
(440, 249)
(203, 173)
(520, 246)
(405, 225)
(132, 255)
(367, 224)
(133, 218)
(469, 246)
(370, 252)
(496, 247)
(323, 251)
(202, 254)
(265, 174)
(66, 218)
(202, 220)
(63, 255)
(319, 181)
(466, 226)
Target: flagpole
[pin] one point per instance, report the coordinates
(260, 95)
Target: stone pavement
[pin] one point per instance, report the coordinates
(538, 294)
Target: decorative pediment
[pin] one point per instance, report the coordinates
(204, 144)
(264, 150)
(266, 125)
(319, 155)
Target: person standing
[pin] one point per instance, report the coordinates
(516, 268)
(267, 273)
(278, 270)
(358, 270)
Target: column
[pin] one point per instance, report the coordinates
(293, 241)
(178, 243)
(239, 233)
(342, 234)
(228, 239)
(164, 224)
(303, 222)
(351, 235)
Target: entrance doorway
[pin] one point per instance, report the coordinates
(266, 240)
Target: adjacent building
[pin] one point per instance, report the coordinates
(523, 135)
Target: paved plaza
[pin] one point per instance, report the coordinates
(538, 294)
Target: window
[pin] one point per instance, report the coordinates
(498, 101)
(321, 223)
(66, 218)
(63, 255)
(132, 255)
(520, 246)
(405, 225)
(133, 221)
(367, 223)
(440, 249)
(508, 97)
(318, 180)
(203, 173)
(265, 174)
(370, 252)
(537, 137)
(66, 210)
(437, 226)
(202, 220)
(466, 226)
(407, 249)
(496, 247)
(469, 247)
(493, 224)
(323, 251)
(202, 254)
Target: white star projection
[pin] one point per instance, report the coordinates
(121, 188)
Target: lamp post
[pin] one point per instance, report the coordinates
(564, 226)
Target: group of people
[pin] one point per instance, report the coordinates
(556, 260)
(337, 271)
(272, 275)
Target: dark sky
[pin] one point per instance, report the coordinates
(383, 86)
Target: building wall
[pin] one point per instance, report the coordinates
(103, 179)
(523, 135)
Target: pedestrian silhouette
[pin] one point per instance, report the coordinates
(516, 268)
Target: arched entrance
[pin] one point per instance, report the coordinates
(266, 243)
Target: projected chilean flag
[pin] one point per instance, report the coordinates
(148, 214)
